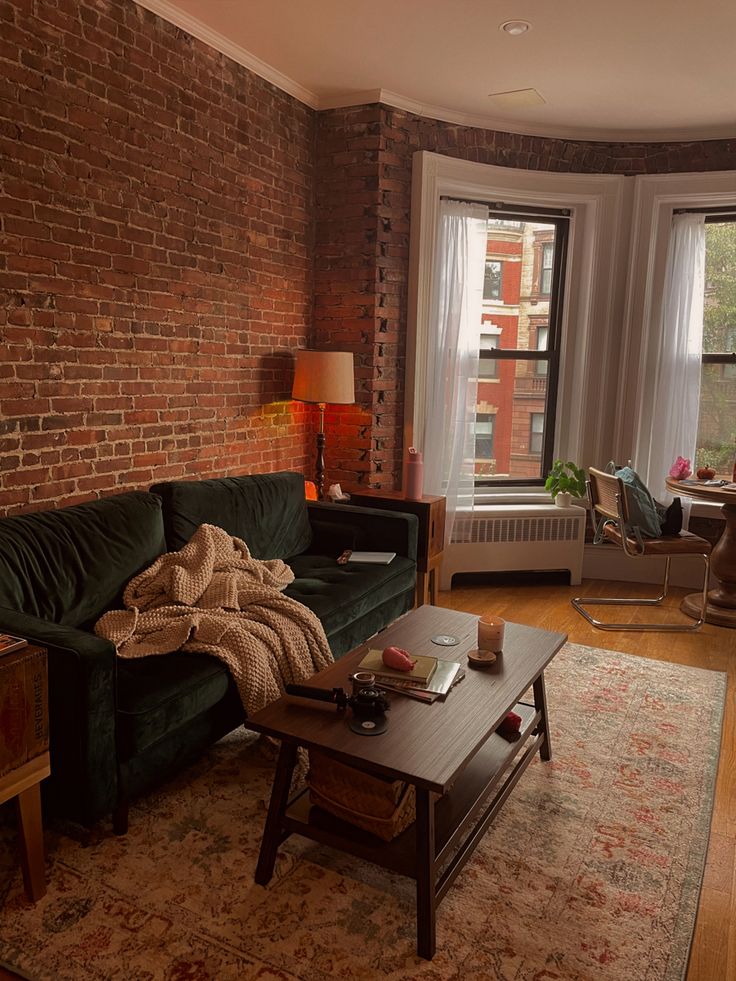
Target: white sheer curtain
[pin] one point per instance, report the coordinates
(670, 428)
(452, 355)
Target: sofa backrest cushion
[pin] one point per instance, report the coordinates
(268, 511)
(71, 565)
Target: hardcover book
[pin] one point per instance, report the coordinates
(419, 674)
(448, 674)
(375, 558)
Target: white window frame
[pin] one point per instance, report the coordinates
(656, 199)
(593, 298)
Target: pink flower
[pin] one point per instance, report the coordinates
(680, 469)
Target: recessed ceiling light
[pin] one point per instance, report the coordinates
(515, 27)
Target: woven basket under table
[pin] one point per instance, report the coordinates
(377, 804)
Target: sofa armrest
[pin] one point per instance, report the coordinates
(338, 526)
(82, 676)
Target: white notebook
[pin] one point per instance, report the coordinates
(377, 558)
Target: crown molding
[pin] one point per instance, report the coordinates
(171, 13)
(477, 121)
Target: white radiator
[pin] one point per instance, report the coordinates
(516, 537)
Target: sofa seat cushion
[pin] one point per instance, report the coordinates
(161, 693)
(341, 594)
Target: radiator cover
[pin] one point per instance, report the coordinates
(516, 537)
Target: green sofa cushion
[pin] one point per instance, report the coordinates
(342, 594)
(71, 565)
(164, 692)
(268, 511)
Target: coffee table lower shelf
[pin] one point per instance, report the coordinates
(448, 828)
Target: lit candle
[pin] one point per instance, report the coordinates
(490, 633)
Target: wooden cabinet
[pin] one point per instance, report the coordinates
(24, 754)
(430, 510)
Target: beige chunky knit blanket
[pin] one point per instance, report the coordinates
(212, 597)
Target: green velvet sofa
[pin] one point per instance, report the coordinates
(119, 727)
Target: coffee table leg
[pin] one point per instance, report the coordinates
(540, 703)
(276, 808)
(426, 894)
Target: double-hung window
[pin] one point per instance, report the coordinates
(522, 355)
(716, 443)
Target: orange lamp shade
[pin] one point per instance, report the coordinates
(324, 376)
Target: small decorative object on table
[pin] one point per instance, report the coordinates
(490, 641)
(336, 494)
(414, 475)
(565, 481)
(680, 469)
(510, 727)
(383, 666)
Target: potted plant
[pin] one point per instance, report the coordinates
(565, 481)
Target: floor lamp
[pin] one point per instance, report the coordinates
(321, 377)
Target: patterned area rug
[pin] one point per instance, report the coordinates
(592, 870)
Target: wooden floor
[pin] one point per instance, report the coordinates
(713, 955)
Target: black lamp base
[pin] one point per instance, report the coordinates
(320, 469)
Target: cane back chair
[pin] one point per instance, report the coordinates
(610, 516)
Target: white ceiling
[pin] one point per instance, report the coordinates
(607, 69)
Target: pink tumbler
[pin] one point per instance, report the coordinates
(414, 475)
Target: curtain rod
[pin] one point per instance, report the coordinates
(725, 211)
(522, 210)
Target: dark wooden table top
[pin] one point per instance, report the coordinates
(425, 744)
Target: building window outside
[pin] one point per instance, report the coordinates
(488, 366)
(493, 279)
(485, 424)
(536, 433)
(545, 280)
(542, 367)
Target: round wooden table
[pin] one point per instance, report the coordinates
(722, 599)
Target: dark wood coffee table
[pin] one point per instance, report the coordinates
(462, 770)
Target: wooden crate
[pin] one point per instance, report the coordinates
(24, 720)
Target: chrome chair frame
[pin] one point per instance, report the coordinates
(610, 517)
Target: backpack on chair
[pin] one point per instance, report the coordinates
(648, 518)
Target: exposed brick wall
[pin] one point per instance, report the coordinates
(364, 175)
(345, 277)
(157, 204)
(158, 233)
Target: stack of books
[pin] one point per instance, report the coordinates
(429, 677)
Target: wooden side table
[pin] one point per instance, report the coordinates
(24, 756)
(430, 510)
